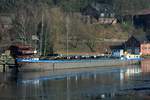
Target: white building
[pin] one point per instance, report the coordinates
(117, 53)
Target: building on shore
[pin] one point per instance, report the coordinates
(99, 13)
(145, 48)
(117, 51)
(134, 45)
(22, 51)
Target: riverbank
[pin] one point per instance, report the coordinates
(72, 64)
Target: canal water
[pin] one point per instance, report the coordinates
(107, 83)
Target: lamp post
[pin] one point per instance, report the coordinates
(67, 34)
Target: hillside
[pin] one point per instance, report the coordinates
(81, 36)
(57, 26)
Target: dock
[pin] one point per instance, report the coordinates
(6, 63)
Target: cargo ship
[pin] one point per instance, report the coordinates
(42, 65)
(27, 61)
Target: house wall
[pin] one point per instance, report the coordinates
(135, 50)
(117, 52)
(145, 48)
(107, 20)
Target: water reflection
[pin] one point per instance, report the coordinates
(114, 83)
(145, 66)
